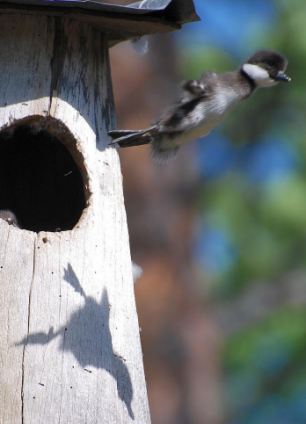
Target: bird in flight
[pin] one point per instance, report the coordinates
(203, 104)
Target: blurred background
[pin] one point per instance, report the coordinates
(220, 232)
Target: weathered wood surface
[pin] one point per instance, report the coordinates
(69, 338)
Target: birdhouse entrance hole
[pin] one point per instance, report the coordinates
(42, 175)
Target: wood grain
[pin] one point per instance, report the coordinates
(69, 347)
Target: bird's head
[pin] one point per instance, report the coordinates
(266, 68)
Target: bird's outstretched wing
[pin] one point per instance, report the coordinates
(180, 117)
(200, 87)
(176, 119)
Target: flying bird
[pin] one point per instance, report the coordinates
(203, 104)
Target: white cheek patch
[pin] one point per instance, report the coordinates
(258, 74)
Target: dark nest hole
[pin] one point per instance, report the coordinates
(40, 181)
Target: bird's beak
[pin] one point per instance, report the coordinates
(281, 76)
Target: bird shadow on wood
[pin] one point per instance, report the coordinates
(87, 336)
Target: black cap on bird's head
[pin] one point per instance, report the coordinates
(266, 68)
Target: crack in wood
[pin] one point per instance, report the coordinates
(28, 331)
(115, 390)
(57, 61)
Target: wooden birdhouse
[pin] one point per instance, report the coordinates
(69, 346)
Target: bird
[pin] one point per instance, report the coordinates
(203, 104)
(9, 217)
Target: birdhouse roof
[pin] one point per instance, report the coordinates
(120, 19)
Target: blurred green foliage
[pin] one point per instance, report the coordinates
(265, 221)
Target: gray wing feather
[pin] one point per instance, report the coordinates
(177, 118)
(200, 87)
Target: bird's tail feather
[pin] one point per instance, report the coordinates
(129, 138)
(120, 133)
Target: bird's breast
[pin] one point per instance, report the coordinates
(204, 118)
